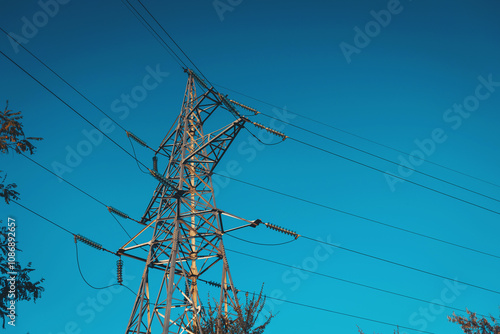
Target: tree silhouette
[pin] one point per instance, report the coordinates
(473, 325)
(470, 324)
(23, 289)
(12, 274)
(12, 138)
(244, 322)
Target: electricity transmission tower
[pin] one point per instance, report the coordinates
(184, 220)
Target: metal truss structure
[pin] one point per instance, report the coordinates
(185, 223)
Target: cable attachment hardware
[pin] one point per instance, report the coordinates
(212, 283)
(255, 223)
(245, 107)
(274, 132)
(163, 179)
(88, 241)
(282, 230)
(155, 163)
(137, 139)
(198, 79)
(215, 284)
(118, 212)
(119, 271)
(229, 106)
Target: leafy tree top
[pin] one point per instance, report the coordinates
(12, 135)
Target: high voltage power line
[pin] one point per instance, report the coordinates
(335, 154)
(285, 265)
(285, 195)
(333, 245)
(380, 157)
(356, 216)
(275, 262)
(343, 280)
(355, 135)
(297, 140)
(76, 237)
(326, 151)
(359, 253)
(396, 176)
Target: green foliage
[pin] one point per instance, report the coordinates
(7, 191)
(12, 135)
(473, 325)
(25, 288)
(470, 325)
(12, 138)
(243, 323)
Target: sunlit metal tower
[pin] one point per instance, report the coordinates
(185, 223)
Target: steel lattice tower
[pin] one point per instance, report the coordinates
(184, 220)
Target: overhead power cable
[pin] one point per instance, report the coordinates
(73, 109)
(327, 310)
(357, 136)
(138, 161)
(109, 208)
(135, 159)
(48, 220)
(79, 238)
(344, 314)
(64, 180)
(90, 285)
(381, 158)
(75, 90)
(401, 265)
(286, 195)
(62, 79)
(173, 41)
(313, 146)
(357, 216)
(395, 176)
(260, 243)
(153, 32)
(59, 226)
(346, 281)
(175, 55)
(76, 236)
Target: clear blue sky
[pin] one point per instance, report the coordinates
(399, 81)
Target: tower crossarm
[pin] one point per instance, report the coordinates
(250, 223)
(214, 148)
